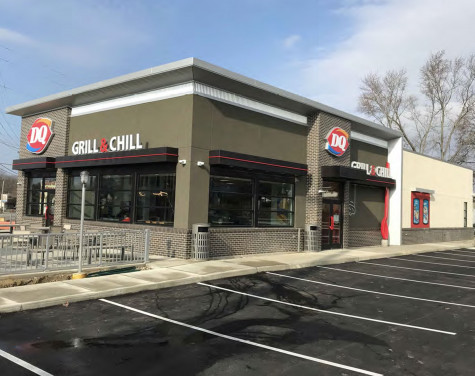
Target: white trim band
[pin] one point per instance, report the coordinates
(369, 139)
(196, 88)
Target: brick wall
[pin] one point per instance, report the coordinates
(364, 238)
(59, 142)
(57, 147)
(435, 235)
(227, 242)
(319, 126)
(164, 241)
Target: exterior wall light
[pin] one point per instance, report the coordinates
(182, 162)
(200, 164)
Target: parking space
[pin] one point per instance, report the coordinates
(397, 316)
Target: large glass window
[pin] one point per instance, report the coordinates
(230, 201)
(74, 197)
(40, 196)
(115, 196)
(155, 199)
(125, 198)
(275, 204)
(247, 202)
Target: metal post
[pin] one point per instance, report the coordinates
(147, 243)
(47, 251)
(1, 198)
(81, 229)
(100, 248)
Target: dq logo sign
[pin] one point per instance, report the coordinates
(39, 136)
(337, 142)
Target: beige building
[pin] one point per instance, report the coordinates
(437, 202)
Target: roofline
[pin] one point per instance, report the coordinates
(190, 62)
(103, 84)
(289, 95)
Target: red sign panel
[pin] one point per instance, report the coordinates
(39, 136)
(338, 141)
(420, 206)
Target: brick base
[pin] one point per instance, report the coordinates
(164, 241)
(435, 235)
(238, 242)
(364, 238)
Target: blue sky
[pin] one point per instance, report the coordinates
(320, 49)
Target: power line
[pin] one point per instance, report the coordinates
(6, 171)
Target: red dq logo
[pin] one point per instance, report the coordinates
(39, 135)
(337, 142)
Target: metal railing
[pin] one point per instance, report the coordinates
(23, 253)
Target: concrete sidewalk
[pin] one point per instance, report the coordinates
(174, 272)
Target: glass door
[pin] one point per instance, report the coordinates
(331, 225)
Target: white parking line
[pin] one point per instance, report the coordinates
(465, 253)
(371, 291)
(276, 349)
(400, 279)
(455, 254)
(329, 312)
(443, 258)
(22, 363)
(435, 263)
(423, 270)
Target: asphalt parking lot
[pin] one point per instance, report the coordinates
(409, 315)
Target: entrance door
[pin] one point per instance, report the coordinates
(331, 225)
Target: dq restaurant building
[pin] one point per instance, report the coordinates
(189, 142)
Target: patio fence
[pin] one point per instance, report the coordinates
(56, 251)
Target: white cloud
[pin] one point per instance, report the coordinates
(11, 36)
(389, 34)
(291, 41)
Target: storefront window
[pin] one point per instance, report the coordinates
(124, 198)
(247, 202)
(74, 197)
(230, 201)
(115, 196)
(275, 204)
(155, 199)
(40, 197)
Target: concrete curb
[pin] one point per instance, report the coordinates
(192, 272)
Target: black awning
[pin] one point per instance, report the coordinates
(228, 158)
(33, 163)
(154, 155)
(342, 173)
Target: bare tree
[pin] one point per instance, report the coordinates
(441, 122)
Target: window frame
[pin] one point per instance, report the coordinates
(255, 177)
(465, 214)
(134, 172)
(38, 175)
(421, 198)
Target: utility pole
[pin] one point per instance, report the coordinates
(1, 197)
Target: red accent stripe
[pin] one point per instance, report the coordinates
(129, 156)
(263, 163)
(16, 164)
(380, 181)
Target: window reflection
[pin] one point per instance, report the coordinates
(234, 202)
(230, 202)
(155, 199)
